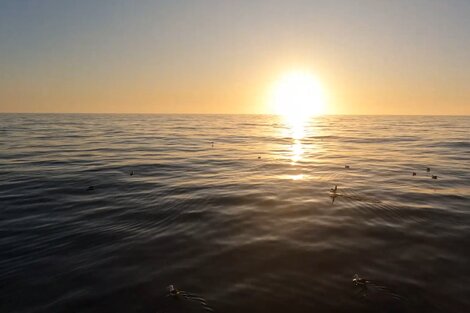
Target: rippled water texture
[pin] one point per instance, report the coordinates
(248, 225)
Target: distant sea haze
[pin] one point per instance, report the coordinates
(102, 213)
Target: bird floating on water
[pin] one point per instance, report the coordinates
(428, 169)
(346, 166)
(90, 188)
(414, 173)
(434, 176)
(178, 294)
(334, 189)
(259, 157)
(172, 291)
(132, 173)
(359, 281)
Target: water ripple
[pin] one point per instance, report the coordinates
(248, 224)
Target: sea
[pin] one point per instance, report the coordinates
(234, 213)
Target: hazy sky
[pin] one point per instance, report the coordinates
(372, 57)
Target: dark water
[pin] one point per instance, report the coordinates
(243, 233)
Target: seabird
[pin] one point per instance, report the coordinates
(428, 169)
(414, 173)
(172, 291)
(132, 173)
(434, 176)
(334, 189)
(359, 281)
(346, 166)
(90, 188)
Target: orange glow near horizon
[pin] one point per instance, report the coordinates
(296, 59)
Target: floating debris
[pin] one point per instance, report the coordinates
(346, 166)
(212, 143)
(259, 158)
(428, 169)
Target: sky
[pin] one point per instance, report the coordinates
(217, 56)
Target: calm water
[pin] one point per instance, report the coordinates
(246, 234)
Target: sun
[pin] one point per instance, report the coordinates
(297, 95)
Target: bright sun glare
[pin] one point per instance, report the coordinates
(297, 95)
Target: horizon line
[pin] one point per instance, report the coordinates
(273, 114)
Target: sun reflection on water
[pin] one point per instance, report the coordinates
(295, 129)
(296, 177)
(297, 151)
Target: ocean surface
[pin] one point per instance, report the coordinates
(100, 213)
